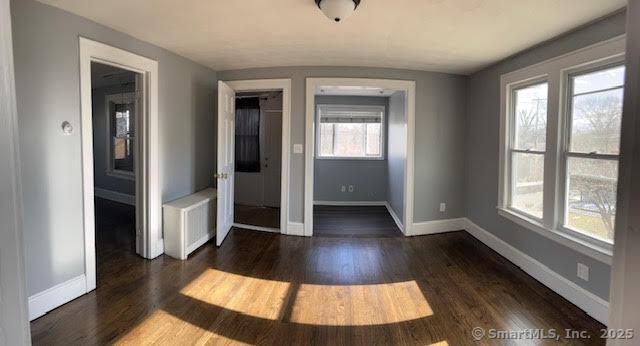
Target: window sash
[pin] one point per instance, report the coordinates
(567, 153)
(350, 114)
(512, 146)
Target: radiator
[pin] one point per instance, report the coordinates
(189, 222)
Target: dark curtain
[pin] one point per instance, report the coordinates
(248, 134)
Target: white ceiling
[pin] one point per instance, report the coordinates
(459, 36)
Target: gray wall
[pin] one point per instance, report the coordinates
(368, 177)
(397, 153)
(482, 143)
(47, 83)
(100, 142)
(440, 108)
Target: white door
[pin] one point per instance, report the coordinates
(226, 160)
(272, 160)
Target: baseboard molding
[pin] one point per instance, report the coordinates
(394, 216)
(437, 226)
(115, 196)
(351, 203)
(593, 305)
(256, 228)
(295, 228)
(49, 299)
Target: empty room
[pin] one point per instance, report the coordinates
(320, 172)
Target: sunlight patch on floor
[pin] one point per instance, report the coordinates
(160, 328)
(359, 305)
(250, 296)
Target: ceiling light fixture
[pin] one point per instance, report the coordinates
(337, 10)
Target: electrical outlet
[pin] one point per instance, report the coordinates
(350, 188)
(443, 207)
(583, 271)
(298, 148)
(343, 188)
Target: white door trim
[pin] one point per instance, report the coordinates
(14, 323)
(285, 86)
(409, 87)
(148, 173)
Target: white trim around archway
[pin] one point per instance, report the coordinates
(149, 242)
(406, 86)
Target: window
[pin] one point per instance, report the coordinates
(122, 109)
(528, 142)
(247, 145)
(559, 148)
(591, 156)
(354, 132)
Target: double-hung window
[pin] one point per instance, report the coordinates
(350, 132)
(560, 140)
(527, 148)
(594, 113)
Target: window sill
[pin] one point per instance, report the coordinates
(596, 252)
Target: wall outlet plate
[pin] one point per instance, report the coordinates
(298, 149)
(343, 188)
(583, 271)
(443, 207)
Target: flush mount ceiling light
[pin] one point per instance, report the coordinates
(337, 10)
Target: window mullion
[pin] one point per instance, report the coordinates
(552, 147)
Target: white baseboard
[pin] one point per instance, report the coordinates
(437, 226)
(395, 217)
(351, 203)
(295, 228)
(115, 196)
(256, 228)
(593, 305)
(49, 299)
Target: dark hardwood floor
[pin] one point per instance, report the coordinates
(257, 216)
(265, 288)
(348, 221)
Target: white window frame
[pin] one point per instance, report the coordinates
(127, 97)
(382, 156)
(556, 72)
(565, 152)
(512, 88)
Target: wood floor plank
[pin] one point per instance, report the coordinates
(268, 289)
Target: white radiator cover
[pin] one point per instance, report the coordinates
(189, 222)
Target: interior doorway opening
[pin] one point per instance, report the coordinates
(116, 102)
(258, 160)
(253, 156)
(359, 157)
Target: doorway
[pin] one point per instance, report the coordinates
(359, 157)
(129, 139)
(258, 160)
(253, 156)
(115, 100)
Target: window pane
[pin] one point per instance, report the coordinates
(530, 117)
(527, 183)
(349, 140)
(591, 204)
(326, 139)
(595, 122)
(599, 80)
(373, 139)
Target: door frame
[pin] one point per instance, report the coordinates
(285, 86)
(149, 242)
(406, 86)
(14, 321)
